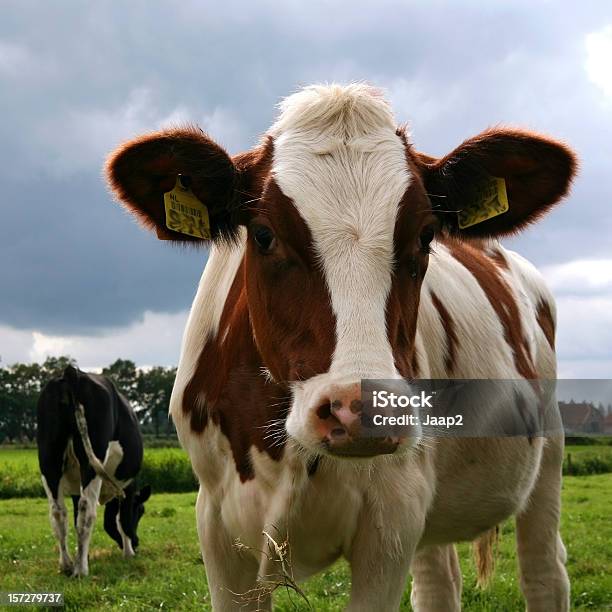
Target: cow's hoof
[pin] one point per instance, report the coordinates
(80, 572)
(67, 568)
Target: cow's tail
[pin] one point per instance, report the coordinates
(484, 548)
(96, 464)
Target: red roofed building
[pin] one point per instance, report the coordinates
(607, 424)
(581, 417)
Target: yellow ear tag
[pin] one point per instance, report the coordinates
(488, 200)
(185, 213)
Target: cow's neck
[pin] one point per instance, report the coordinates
(225, 384)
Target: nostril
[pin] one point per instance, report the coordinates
(356, 406)
(324, 411)
(337, 432)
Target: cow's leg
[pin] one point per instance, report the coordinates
(58, 515)
(75, 508)
(231, 573)
(541, 553)
(389, 529)
(436, 580)
(87, 511)
(379, 571)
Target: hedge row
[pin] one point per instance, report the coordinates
(585, 465)
(168, 470)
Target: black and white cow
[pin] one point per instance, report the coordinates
(90, 447)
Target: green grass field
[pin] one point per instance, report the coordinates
(168, 572)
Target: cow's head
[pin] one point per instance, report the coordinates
(127, 518)
(340, 213)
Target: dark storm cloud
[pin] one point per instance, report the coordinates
(76, 81)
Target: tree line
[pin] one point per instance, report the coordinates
(148, 390)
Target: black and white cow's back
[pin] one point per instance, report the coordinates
(89, 447)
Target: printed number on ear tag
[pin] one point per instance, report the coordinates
(488, 200)
(185, 213)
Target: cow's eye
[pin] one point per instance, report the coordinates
(425, 238)
(264, 238)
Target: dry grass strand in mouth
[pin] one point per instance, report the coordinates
(280, 555)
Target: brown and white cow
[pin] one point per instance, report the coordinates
(336, 256)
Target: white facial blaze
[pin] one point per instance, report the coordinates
(128, 550)
(339, 159)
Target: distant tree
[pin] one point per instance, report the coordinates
(9, 407)
(154, 390)
(54, 367)
(20, 386)
(124, 374)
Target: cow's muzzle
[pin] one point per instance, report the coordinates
(341, 418)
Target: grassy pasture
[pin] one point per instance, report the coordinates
(168, 572)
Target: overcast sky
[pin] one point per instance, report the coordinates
(78, 277)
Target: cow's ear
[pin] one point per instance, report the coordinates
(141, 171)
(144, 494)
(518, 172)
